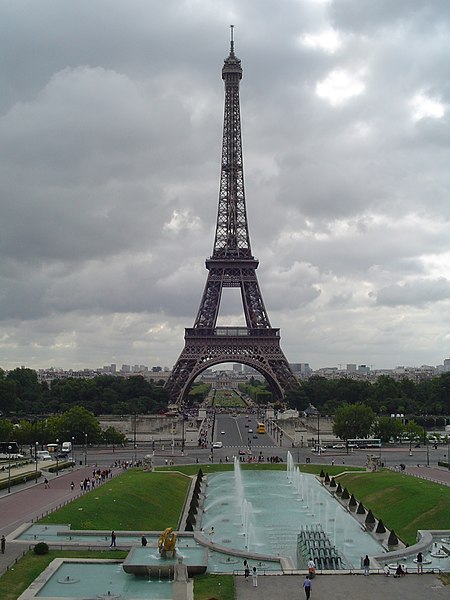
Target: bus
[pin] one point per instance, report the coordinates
(261, 428)
(364, 443)
(9, 450)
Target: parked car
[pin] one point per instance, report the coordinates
(339, 446)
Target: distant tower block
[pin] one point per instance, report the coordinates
(232, 265)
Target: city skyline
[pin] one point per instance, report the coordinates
(110, 154)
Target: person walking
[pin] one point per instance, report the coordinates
(366, 565)
(3, 544)
(419, 560)
(255, 577)
(246, 570)
(307, 585)
(311, 568)
(211, 535)
(113, 539)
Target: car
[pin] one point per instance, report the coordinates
(241, 452)
(255, 437)
(246, 425)
(321, 449)
(222, 433)
(339, 446)
(250, 430)
(217, 445)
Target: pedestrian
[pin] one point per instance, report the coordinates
(113, 539)
(419, 560)
(311, 568)
(307, 584)
(246, 570)
(143, 540)
(3, 544)
(211, 535)
(46, 484)
(255, 577)
(386, 570)
(366, 565)
(72, 485)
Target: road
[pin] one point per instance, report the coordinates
(237, 437)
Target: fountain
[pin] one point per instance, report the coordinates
(290, 467)
(166, 543)
(271, 515)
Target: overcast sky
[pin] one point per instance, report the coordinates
(111, 118)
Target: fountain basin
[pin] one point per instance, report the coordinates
(146, 562)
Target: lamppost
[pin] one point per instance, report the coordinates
(73, 452)
(318, 432)
(85, 449)
(9, 469)
(57, 459)
(36, 444)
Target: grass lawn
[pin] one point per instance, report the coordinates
(404, 503)
(214, 586)
(136, 500)
(16, 580)
(228, 398)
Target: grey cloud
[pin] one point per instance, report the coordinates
(419, 293)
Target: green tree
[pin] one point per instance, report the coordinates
(413, 432)
(387, 428)
(112, 436)
(77, 422)
(353, 421)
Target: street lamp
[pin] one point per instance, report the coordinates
(36, 444)
(73, 452)
(9, 469)
(57, 459)
(85, 449)
(318, 432)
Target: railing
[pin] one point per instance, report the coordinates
(231, 332)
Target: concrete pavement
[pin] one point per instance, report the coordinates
(344, 587)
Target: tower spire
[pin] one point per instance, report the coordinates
(231, 40)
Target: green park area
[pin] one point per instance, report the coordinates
(138, 500)
(227, 399)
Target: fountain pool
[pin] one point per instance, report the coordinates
(101, 580)
(264, 511)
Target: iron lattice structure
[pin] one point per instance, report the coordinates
(231, 265)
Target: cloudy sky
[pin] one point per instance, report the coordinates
(110, 136)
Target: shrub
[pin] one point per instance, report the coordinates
(41, 548)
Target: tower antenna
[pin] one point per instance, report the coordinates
(231, 39)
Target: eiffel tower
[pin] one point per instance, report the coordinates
(231, 265)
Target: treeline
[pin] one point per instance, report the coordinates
(386, 396)
(77, 425)
(22, 394)
(257, 391)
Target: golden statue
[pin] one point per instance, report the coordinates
(166, 543)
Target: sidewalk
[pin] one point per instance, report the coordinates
(29, 501)
(344, 587)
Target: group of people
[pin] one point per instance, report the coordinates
(253, 572)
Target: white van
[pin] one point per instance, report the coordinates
(43, 455)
